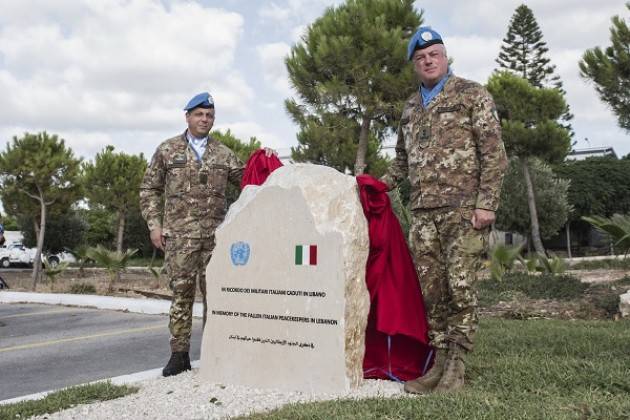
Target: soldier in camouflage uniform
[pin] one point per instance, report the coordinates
(449, 147)
(183, 201)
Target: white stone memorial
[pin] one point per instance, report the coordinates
(624, 305)
(287, 299)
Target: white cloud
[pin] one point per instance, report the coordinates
(292, 11)
(243, 130)
(274, 12)
(473, 56)
(119, 71)
(120, 64)
(272, 58)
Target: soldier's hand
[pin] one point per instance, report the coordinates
(157, 239)
(269, 152)
(482, 218)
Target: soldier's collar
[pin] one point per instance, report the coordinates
(196, 140)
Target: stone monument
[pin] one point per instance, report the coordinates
(624, 305)
(287, 299)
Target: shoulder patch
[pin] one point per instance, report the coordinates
(468, 85)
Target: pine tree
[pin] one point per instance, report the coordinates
(530, 130)
(609, 70)
(351, 65)
(524, 52)
(43, 172)
(114, 180)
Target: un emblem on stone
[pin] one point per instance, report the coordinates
(239, 252)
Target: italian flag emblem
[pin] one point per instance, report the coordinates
(306, 255)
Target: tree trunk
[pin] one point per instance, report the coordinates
(533, 213)
(37, 262)
(119, 237)
(121, 231)
(35, 228)
(364, 136)
(568, 228)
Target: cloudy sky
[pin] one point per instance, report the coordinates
(118, 72)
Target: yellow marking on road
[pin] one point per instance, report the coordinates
(56, 311)
(84, 337)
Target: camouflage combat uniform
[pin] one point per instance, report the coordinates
(186, 197)
(454, 157)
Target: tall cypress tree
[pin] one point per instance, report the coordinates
(525, 53)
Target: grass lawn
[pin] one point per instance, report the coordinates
(69, 397)
(531, 369)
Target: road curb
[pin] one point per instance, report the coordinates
(135, 305)
(118, 380)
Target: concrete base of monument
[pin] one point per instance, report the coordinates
(287, 298)
(187, 396)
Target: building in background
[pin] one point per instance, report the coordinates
(581, 154)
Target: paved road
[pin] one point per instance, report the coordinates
(46, 347)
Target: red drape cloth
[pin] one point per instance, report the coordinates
(397, 332)
(258, 168)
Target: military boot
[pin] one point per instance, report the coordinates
(454, 369)
(426, 383)
(178, 363)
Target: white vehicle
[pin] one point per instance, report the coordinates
(63, 256)
(16, 254)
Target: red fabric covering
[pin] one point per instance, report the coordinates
(397, 333)
(396, 336)
(258, 168)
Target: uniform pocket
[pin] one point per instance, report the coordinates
(466, 215)
(218, 178)
(450, 114)
(177, 180)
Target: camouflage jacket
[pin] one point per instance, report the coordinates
(186, 197)
(452, 151)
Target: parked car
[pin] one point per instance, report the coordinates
(16, 254)
(63, 256)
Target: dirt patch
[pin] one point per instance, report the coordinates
(599, 301)
(525, 308)
(599, 276)
(138, 279)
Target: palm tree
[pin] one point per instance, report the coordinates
(80, 253)
(114, 262)
(616, 227)
(53, 270)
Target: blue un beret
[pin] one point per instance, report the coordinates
(424, 37)
(202, 100)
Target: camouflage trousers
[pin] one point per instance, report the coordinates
(185, 260)
(448, 252)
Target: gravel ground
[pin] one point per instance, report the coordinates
(186, 397)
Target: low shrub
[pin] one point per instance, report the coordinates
(82, 289)
(624, 281)
(609, 263)
(542, 286)
(609, 302)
